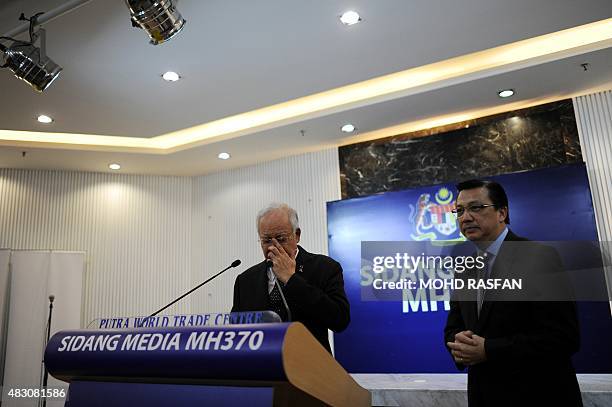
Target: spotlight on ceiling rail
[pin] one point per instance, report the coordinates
(159, 18)
(29, 62)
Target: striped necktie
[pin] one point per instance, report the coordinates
(482, 275)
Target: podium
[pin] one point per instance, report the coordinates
(277, 364)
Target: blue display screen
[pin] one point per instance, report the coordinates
(551, 204)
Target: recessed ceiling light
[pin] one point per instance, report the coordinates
(506, 93)
(348, 128)
(224, 156)
(171, 76)
(114, 166)
(350, 18)
(43, 118)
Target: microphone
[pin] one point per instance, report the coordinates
(51, 298)
(269, 265)
(235, 263)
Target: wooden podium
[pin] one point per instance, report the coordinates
(234, 365)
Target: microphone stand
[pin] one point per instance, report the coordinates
(236, 263)
(46, 372)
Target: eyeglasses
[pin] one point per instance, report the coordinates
(460, 211)
(282, 239)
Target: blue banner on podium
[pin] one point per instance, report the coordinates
(236, 352)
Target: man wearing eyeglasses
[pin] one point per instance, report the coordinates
(516, 352)
(297, 285)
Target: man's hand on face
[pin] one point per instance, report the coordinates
(283, 262)
(468, 348)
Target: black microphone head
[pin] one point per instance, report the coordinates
(236, 263)
(269, 263)
(51, 298)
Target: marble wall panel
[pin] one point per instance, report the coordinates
(537, 137)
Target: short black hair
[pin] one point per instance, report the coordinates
(496, 192)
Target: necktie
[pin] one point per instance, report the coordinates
(482, 274)
(275, 303)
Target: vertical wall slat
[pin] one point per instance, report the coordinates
(594, 120)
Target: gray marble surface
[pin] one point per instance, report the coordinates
(538, 137)
(442, 390)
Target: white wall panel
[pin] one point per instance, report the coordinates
(135, 230)
(225, 207)
(26, 328)
(65, 283)
(594, 120)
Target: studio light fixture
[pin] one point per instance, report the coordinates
(29, 62)
(506, 93)
(159, 18)
(224, 156)
(114, 166)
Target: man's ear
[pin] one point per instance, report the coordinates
(503, 214)
(298, 233)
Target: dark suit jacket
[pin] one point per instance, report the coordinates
(528, 344)
(315, 294)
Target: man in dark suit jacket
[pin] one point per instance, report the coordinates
(518, 353)
(312, 284)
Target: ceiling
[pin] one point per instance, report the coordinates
(240, 56)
